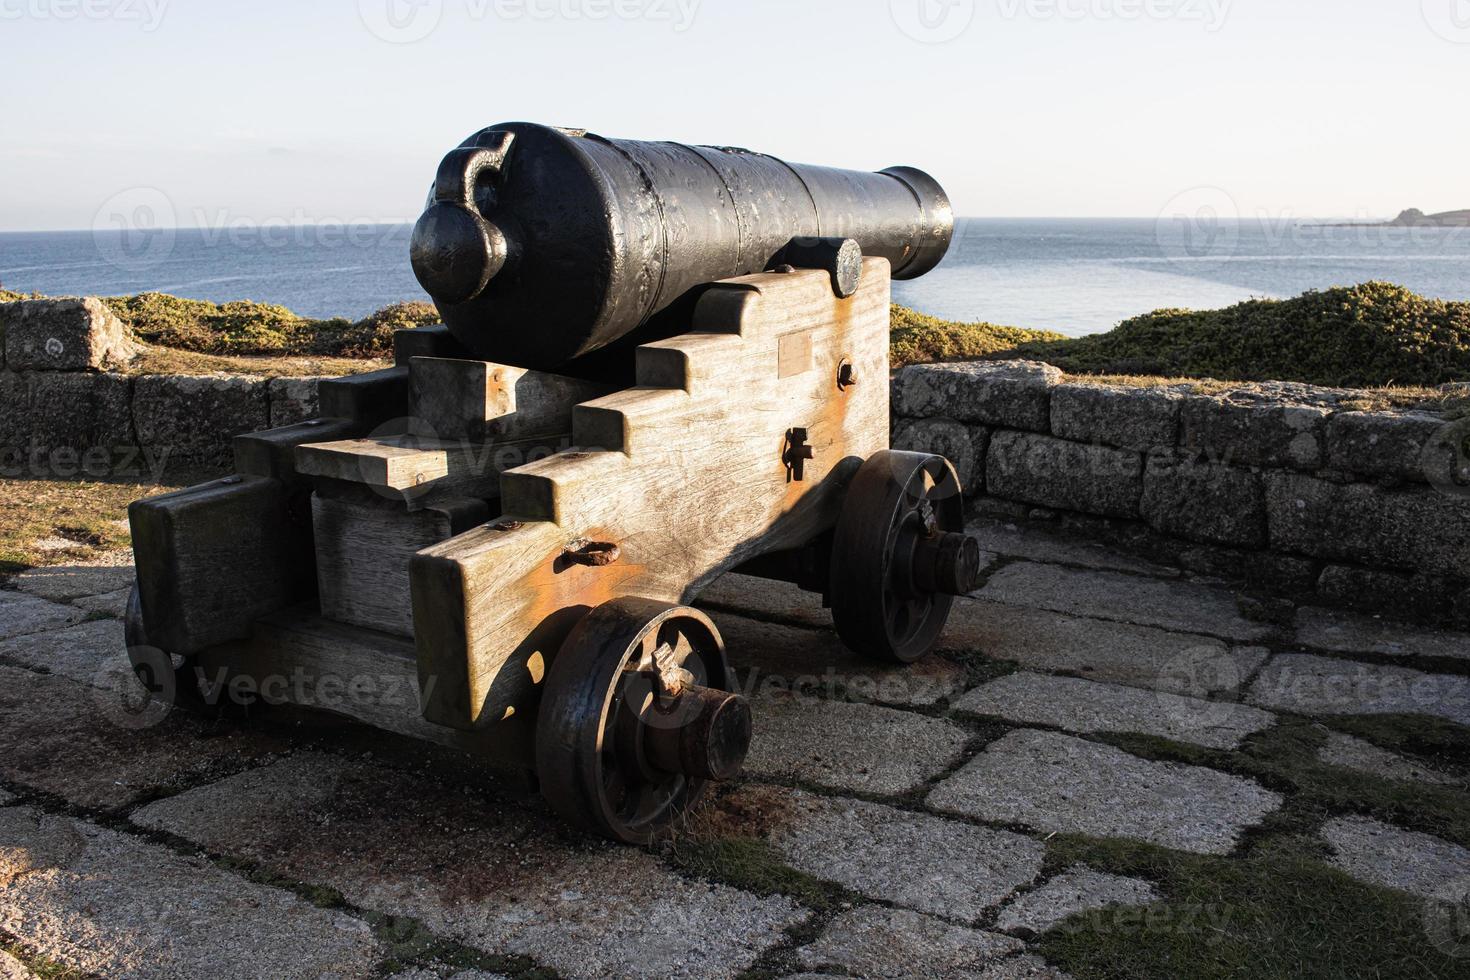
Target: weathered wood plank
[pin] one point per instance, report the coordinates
(297, 657)
(476, 401)
(214, 558)
(363, 553)
(698, 484)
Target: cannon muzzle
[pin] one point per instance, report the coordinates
(540, 245)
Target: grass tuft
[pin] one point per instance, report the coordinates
(1278, 912)
(753, 865)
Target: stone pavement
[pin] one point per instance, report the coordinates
(899, 822)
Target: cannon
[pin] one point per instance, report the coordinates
(495, 544)
(541, 245)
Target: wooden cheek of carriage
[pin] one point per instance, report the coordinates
(502, 560)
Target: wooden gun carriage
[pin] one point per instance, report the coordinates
(502, 559)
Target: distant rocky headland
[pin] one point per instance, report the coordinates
(1414, 218)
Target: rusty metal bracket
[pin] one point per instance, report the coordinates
(796, 455)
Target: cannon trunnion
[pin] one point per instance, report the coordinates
(500, 554)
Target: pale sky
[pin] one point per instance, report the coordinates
(339, 110)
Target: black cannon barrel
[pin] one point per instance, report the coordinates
(540, 245)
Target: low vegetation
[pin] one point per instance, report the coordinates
(1376, 335)
(248, 329)
(1373, 335)
(54, 522)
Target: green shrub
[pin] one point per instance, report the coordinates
(1372, 335)
(245, 328)
(917, 338)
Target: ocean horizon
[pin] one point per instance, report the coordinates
(1075, 276)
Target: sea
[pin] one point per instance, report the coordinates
(1074, 276)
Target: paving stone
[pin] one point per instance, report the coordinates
(6, 798)
(766, 600)
(65, 420)
(77, 652)
(895, 943)
(64, 583)
(485, 872)
(1394, 594)
(1380, 854)
(1020, 541)
(293, 400)
(1275, 424)
(1204, 501)
(62, 738)
(1346, 632)
(1011, 394)
(1417, 529)
(857, 747)
(1023, 968)
(68, 334)
(1321, 686)
(1185, 606)
(1062, 784)
(108, 904)
(12, 968)
(921, 862)
(1365, 757)
(1391, 444)
(1064, 475)
(1142, 419)
(963, 445)
(167, 410)
(814, 662)
(1136, 656)
(22, 615)
(1086, 706)
(1079, 889)
(113, 604)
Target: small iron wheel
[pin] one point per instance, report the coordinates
(900, 555)
(638, 717)
(169, 683)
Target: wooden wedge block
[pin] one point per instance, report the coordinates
(213, 559)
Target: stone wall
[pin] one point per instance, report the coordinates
(67, 412)
(1292, 489)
